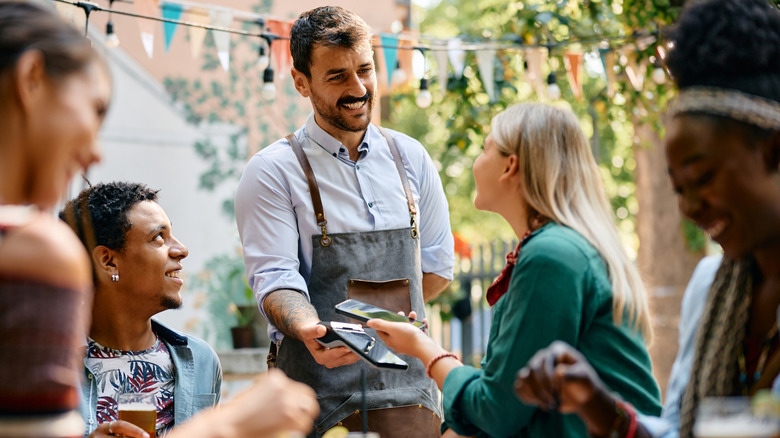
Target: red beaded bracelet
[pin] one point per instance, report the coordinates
(436, 359)
(624, 410)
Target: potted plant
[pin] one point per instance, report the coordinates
(243, 334)
(231, 303)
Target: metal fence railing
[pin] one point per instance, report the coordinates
(466, 333)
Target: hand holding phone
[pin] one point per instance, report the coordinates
(364, 345)
(363, 312)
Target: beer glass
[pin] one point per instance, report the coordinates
(140, 409)
(731, 417)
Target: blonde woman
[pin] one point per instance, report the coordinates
(569, 279)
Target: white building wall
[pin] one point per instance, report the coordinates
(146, 139)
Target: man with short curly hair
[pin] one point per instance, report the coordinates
(137, 265)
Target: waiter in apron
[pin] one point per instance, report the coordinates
(344, 209)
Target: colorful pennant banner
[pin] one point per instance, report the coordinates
(170, 11)
(389, 44)
(220, 18)
(197, 34)
(572, 60)
(486, 64)
(150, 8)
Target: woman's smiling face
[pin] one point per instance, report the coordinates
(724, 182)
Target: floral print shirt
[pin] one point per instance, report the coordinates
(118, 371)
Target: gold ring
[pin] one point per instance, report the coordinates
(109, 427)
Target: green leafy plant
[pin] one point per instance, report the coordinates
(229, 299)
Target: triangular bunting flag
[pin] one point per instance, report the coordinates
(197, 34)
(635, 71)
(148, 8)
(389, 44)
(170, 11)
(534, 59)
(281, 48)
(608, 61)
(573, 62)
(485, 62)
(442, 65)
(222, 18)
(457, 56)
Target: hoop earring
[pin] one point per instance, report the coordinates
(115, 278)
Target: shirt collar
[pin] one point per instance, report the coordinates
(318, 135)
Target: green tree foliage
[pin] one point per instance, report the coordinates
(455, 126)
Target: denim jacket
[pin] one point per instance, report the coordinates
(198, 377)
(667, 426)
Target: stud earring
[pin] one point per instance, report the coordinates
(115, 278)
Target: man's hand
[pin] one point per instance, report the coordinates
(560, 378)
(329, 357)
(118, 428)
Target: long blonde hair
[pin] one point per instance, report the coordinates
(561, 182)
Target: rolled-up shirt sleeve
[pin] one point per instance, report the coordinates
(268, 228)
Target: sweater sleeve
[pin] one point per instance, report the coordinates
(544, 303)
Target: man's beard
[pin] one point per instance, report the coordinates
(170, 303)
(333, 117)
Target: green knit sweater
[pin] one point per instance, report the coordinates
(559, 290)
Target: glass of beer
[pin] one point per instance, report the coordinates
(732, 417)
(139, 408)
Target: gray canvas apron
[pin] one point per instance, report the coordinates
(375, 256)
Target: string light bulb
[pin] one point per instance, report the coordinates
(112, 40)
(424, 97)
(399, 75)
(268, 90)
(553, 90)
(658, 75)
(263, 61)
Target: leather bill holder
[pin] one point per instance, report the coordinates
(392, 295)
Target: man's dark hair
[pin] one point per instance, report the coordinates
(98, 214)
(732, 44)
(328, 25)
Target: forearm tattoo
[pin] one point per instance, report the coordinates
(288, 310)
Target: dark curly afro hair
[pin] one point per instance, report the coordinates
(728, 44)
(98, 214)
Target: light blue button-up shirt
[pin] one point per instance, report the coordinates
(275, 215)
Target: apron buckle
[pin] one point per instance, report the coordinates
(325, 241)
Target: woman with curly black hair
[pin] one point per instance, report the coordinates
(723, 154)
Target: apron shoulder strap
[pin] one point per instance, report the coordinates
(314, 189)
(399, 165)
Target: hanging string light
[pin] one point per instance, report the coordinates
(424, 98)
(112, 40)
(88, 8)
(399, 76)
(268, 90)
(553, 90)
(658, 75)
(263, 61)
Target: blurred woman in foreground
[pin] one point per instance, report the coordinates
(54, 93)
